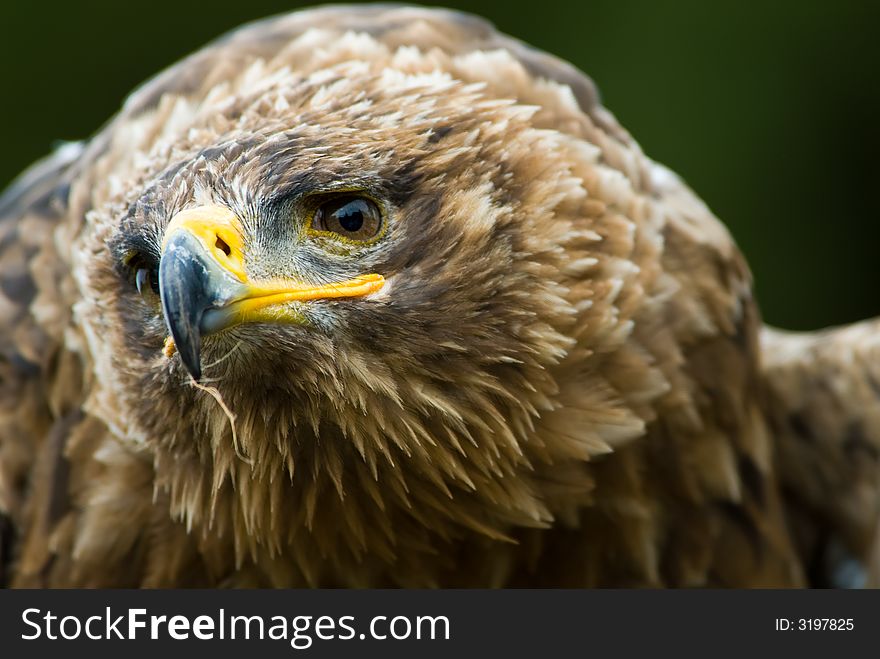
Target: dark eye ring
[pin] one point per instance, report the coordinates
(351, 217)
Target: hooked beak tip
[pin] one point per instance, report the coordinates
(184, 295)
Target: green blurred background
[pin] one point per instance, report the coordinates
(768, 109)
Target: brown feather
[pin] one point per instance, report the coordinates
(563, 384)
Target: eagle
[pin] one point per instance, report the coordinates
(376, 296)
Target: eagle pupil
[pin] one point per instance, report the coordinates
(351, 219)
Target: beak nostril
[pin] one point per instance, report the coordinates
(222, 246)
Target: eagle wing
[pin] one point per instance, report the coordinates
(38, 383)
(823, 392)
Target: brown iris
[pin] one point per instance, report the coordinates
(350, 217)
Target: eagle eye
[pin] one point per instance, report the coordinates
(144, 271)
(350, 217)
(144, 276)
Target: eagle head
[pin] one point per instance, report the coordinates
(348, 307)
